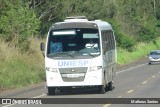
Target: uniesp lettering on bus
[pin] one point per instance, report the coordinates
(73, 63)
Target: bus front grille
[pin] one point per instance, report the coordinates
(78, 79)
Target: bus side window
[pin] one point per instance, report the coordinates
(104, 41)
(108, 40)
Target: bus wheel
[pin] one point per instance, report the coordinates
(51, 91)
(110, 86)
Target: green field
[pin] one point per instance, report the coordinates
(18, 70)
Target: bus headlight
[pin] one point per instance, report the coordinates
(52, 69)
(95, 68)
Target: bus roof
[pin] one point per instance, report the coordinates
(81, 23)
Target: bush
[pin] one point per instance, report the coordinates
(147, 34)
(126, 42)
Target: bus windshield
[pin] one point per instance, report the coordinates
(77, 41)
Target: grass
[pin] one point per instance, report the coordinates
(18, 70)
(140, 51)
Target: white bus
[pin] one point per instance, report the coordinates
(80, 53)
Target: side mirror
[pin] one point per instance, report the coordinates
(42, 48)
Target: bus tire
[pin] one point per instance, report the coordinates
(102, 89)
(51, 91)
(110, 86)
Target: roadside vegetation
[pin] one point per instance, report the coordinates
(141, 51)
(18, 70)
(24, 24)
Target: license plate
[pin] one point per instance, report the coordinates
(73, 75)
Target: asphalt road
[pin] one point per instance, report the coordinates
(138, 80)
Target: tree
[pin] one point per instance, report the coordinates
(18, 24)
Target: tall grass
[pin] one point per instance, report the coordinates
(141, 50)
(18, 70)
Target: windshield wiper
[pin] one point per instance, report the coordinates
(86, 53)
(62, 53)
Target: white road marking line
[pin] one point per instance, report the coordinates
(120, 96)
(153, 76)
(130, 91)
(43, 94)
(131, 68)
(106, 105)
(144, 82)
(8, 105)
